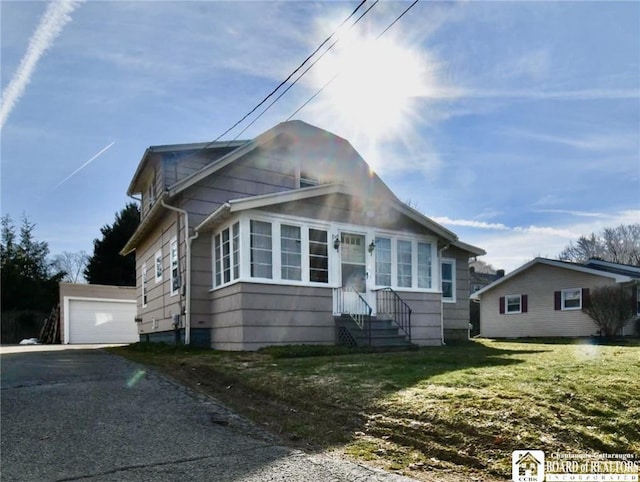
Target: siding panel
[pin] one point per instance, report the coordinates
(539, 283)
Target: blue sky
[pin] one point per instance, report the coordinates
(515, 124)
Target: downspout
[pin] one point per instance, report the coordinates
(440, 251)
(188, 240)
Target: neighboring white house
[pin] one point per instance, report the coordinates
(545, 297)
(288, 238)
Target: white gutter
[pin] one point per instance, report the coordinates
(188, 240)
(440, 251)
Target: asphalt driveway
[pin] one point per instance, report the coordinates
(71, 413)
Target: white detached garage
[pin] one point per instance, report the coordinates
(97, 314)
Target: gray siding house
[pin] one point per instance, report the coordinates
(288, 238)
(544, 297)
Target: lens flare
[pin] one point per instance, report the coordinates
(135, 378)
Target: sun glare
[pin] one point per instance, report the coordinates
(377, 85)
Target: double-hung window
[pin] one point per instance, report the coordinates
(261, 250)
(290, 253)
(448, 270)
(144, 285)
(175, 266)
(513, 304)
(226, 247)
(424, 265)
(318, 256)
(404, 264)
(383, 261)
(571, 299)
(158, 265)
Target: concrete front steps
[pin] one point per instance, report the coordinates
(384, 333)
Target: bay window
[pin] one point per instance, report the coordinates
(318, 256)
(290, 253)
(226, 246)
(383, 261)
(424, 265)
(261, 249)
(404, 264)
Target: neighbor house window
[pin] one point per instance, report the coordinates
(513, 304)
(226, 247)
(424, 265)
(637, 300)
(158, 265)
(383, 262)
(448, 280)
(175, 267)
(290, 252)
(261, 245)
(318, 256)
(571, 299)
(404, 264)
(144, 285)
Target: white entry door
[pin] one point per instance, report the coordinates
(353, 261)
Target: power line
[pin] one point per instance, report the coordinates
(319, 91)
(290, 75)
(303, 73)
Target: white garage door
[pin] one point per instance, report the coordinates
(102, 322)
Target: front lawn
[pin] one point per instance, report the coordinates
(459, 409)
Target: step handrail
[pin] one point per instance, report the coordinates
(390, 303)
(360, 313)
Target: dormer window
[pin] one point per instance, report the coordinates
(151, 193)
(307, 179)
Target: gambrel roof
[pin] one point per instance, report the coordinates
(219, 155)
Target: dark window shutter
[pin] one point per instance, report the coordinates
(502, 305)
(557, 300)
(634, 300)
(586, 298)
(524, 307)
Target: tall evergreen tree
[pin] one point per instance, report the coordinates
(29, 281)
(106, 266)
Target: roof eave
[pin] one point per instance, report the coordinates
(144, 226)
(556, 264)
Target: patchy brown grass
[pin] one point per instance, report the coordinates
(442, 413)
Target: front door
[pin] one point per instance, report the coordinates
(353, 261)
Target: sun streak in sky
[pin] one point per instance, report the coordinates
(377, 86)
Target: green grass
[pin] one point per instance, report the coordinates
(446, 409)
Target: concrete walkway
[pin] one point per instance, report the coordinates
(80, 413)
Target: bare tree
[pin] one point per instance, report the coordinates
(617, 245)
(610, 307)
(481, 267)
(73, 265)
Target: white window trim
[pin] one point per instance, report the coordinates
(332, 229)
(451, 261)
(144, 285)
(174, 240)
(562, 299)
(506, 305)
(232, 278)
(158, 257)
